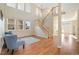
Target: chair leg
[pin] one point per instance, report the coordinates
(12, 51)
(23, 46)
(7, 50)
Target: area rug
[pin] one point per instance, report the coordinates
(30, 40)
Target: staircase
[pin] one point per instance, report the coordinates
(41, 22)
(44, 30)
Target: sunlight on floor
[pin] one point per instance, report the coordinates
(69, 37)
(68, 44)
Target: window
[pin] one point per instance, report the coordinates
(37, 11)
(11, 5)
(27, 24)
(21, 6)
(11, 24)
(28, 7)
(19, 24)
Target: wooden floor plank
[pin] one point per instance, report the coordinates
(49, 47)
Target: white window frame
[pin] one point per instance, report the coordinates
(11, 5)
(20, 6)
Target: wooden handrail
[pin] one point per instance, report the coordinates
(41, 23)
(46, 29)
(43, 26)
(48, 14)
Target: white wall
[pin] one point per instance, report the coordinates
(12, 13)
(55, 25)
(75, 27)
(25, 32)
(1, 33)
(67, 27)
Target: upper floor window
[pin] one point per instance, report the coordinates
(38, 12)
(28, 7)
(21, 6)
(11, 5)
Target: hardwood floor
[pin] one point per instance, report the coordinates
(39, 48)
(49, 47)
(69, 45)
(43, 47)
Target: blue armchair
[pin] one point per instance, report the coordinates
(6, 33)
(12, 42)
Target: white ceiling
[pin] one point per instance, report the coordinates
(45, 5)
(71, 10)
